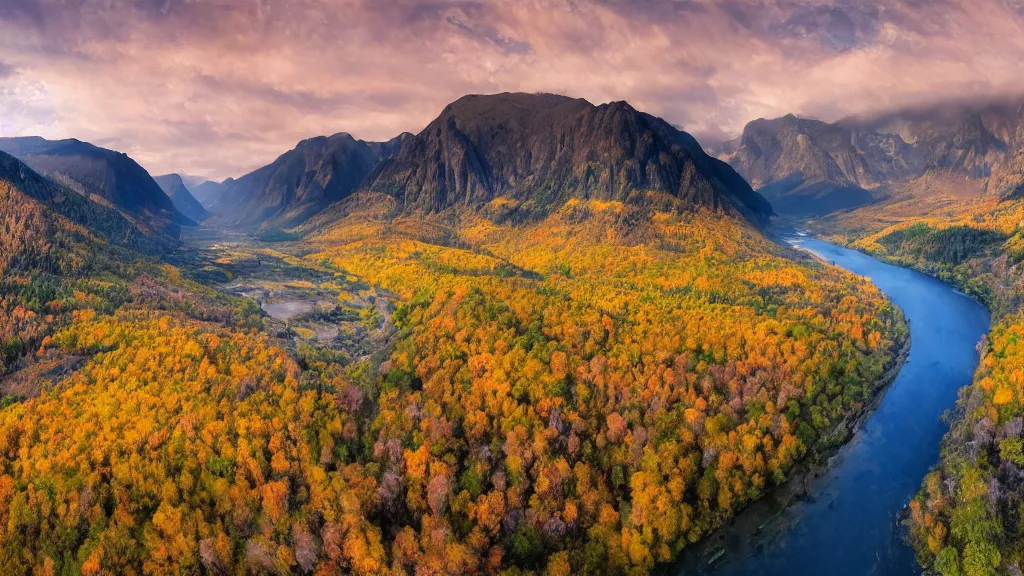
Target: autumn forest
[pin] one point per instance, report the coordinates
(540, 336)
(588, 391)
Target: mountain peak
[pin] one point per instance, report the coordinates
(474, 103)
(174, 186)
(298, 184)
(320, 140)
(541, 149)
(545, 148)
(173, 178)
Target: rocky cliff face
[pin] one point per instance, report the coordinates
(967, 139)
(809, 166)
(543, 149)
(299, 183)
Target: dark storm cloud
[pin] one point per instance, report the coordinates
(218, 87)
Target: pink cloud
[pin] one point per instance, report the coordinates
(219, 87)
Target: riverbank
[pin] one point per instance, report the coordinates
(764, 515)
(966, 511)
(965, 518)
(841, 516)
(759, 518)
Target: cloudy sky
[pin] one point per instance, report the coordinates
(218, 87)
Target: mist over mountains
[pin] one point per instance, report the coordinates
(540, 150)
(808, 166)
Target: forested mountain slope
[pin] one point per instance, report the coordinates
(105, 175)
(52, 242)
(45, 195)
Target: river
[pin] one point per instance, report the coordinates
(848, 523)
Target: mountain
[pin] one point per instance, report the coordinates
(543, 149)
(208, 192)
(174, 186)
(810, 166)
(970, 139)
(978, 141)
(49, 227)
(191, 181)
(299, 184)
(385, 150)
(106, 175)
(813, 167)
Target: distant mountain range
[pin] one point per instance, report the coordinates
(174, 186)
(104, 175)
(539, 150)
(208, 192)
(535, 149)
(191, 181)
(542, 149)
(298, 185)
(812, 167)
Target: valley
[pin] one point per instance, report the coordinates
(539, 336)
(965, 513)
(860, 499)
(306, 303)
(474, 256)
(499, 288)
(955, 216)
(893, 442)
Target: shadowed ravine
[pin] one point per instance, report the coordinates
(849, 521)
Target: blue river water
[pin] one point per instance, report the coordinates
(848, 524)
